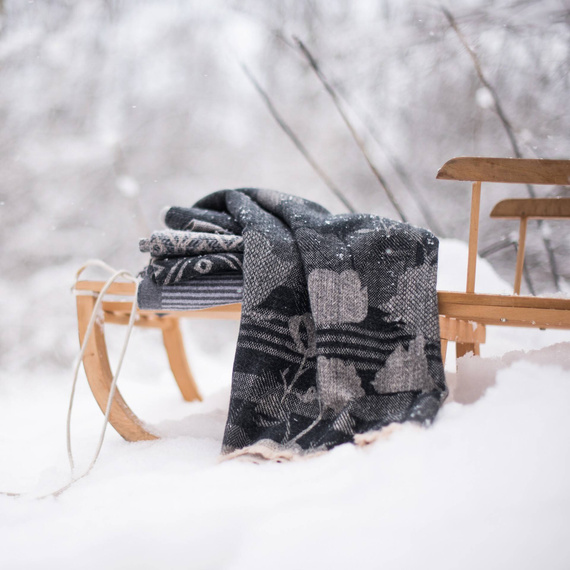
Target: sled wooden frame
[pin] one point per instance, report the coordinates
(463, 316)
(506, 310)
(117, 312)
(96, 358)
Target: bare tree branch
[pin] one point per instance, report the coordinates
(510, 133)
(394, 162)
(400, 170)
(498, 106)
(314, 65)
(295, 140)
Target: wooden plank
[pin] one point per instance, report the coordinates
(455, 330)
(520, 256)
(118, 306)
(515, 170)
(153, 322)
(508, 316)
(453, 297)
(446, 298)
(473, 236)
(99, 376)
(532, 208)
(463, 348)
(467, 335)
(114, 289)
(227, 312)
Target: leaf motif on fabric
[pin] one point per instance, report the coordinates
(338, 382)
(295, 324)
(309, 396)
(337, 297)
(405, 370)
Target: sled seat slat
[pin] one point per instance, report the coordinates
(505, 310)
(532, 209)
(115, 289)
(502, 301)
(507, 170)
(123, 308)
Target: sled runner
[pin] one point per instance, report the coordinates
(463, 316)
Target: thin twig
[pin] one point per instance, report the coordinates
(508, 129)
(498, 106)
(398, 167)
(295, 139)
(394, 162)
(315, 66)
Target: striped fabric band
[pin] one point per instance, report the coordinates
(199, 293)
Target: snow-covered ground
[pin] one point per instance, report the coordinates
(487, 486)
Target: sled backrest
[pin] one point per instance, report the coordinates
(507, 170)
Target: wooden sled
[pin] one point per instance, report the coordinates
(96, 358)
(506, 310)
(463, 316)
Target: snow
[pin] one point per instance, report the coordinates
(485, 486)
(110, 110)
(452, 271)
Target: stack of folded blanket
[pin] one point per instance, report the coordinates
(339, 333)
(195, 263)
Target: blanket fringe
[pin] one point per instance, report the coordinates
(268, 450)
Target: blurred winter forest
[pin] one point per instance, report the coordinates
(112, 109)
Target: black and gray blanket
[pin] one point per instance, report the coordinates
(339, 332)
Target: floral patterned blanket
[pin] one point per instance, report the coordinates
(339, 334)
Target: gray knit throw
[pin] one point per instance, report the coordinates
(339, 331)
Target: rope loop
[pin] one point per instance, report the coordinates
(114, 275)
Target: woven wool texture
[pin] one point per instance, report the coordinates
(196, 293)
(339, 332)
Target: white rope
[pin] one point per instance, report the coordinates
(88, 332)
(114, 276)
